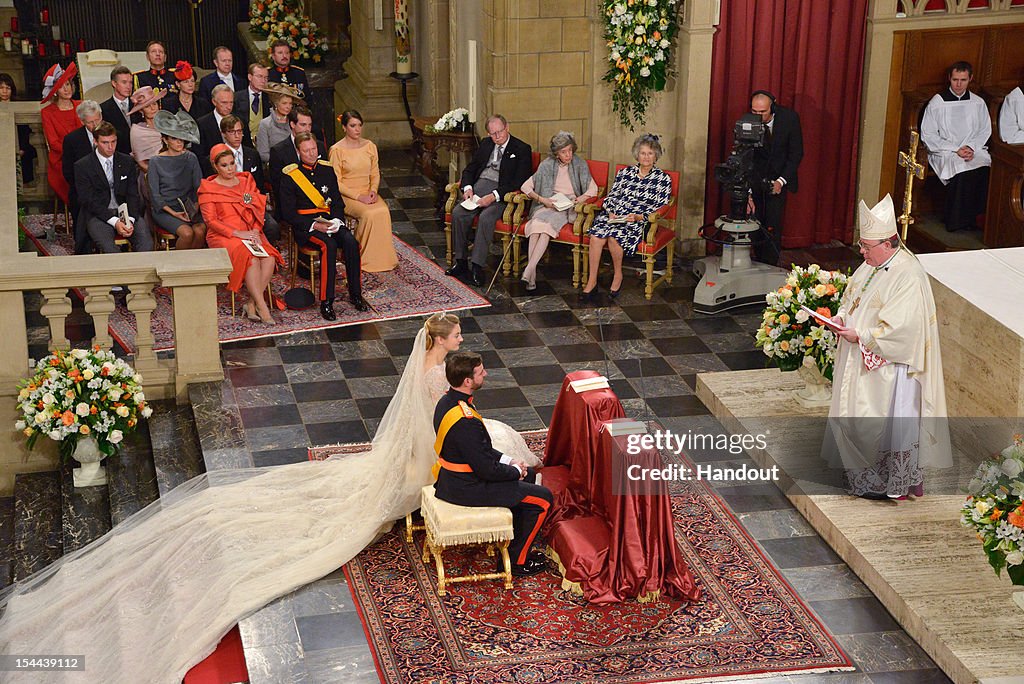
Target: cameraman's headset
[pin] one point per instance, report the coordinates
(766, 94)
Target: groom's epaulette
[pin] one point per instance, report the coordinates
(289, 168)
(466, 410)
(323, 163)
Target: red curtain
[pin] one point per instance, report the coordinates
(810, 55)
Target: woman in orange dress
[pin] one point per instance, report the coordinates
(355, 164)
(233, 210)
(59, 119)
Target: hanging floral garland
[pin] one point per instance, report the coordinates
(640, 35)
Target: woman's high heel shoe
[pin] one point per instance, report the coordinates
(250, 311)
(587, 297)
(614, 294)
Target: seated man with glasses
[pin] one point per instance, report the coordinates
(499, 166)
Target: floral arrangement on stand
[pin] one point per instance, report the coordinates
(303, 36)
(266, 14)
(787, 333)
(455, 120)
(78, 394)
(639, 35)
(994, 509)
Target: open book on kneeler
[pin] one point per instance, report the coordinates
(587, 384)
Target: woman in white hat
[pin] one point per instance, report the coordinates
(275, 128)
(59, 119)
(174, 178)
(146, 140)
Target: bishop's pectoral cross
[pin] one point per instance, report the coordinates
(908, 160)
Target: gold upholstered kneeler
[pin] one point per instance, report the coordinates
(448, 525)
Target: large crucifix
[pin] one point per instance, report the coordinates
(908, 160)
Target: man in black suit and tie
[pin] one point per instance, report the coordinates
(500, 165)
(223, 62)
(775, 170)
(105, 180)
(115, 109)
(252, 105)
(209, 125)
(79, 143)
(300, 120)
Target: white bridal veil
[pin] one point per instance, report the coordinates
(155, 595)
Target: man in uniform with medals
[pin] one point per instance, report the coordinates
(473, 473)
(311, 202)
(284, 71)
(955, 129)
(157, 76)
(888, 414)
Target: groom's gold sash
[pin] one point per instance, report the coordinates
(454, 415)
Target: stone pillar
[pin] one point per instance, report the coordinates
(679, 115)
(430, 56)
(8, 182)
(538, 54)
(368, 87)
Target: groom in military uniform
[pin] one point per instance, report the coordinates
(473, 473)
(311, 203)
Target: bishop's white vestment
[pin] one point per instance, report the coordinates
(890, 421)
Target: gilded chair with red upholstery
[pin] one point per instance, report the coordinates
(571, 233)
(660, 235)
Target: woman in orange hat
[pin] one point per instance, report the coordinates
(233, 210)
(185, 100)
(59, 119)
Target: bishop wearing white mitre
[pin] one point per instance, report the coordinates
(888, 412)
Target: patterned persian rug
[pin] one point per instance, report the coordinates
(416, 288)
(748, 624)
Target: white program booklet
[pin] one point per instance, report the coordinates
(561, 202)
(472, 203)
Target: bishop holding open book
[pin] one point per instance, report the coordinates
(888, 413)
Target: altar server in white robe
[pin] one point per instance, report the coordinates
(888, 412)
(956, 128)
(1011, 118)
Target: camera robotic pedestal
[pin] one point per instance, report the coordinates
(732, 279)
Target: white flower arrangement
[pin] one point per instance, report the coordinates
(264, 15)
(787, 334)
(639, 35)
(455, 119)
(79, 393)
(994, 509)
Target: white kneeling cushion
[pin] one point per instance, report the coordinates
(451, 525)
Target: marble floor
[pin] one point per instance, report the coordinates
(333, 386)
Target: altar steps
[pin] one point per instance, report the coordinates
(48, 517)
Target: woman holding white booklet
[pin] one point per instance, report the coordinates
(560, 182)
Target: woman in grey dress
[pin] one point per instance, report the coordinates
(275, 128)
(174, 178)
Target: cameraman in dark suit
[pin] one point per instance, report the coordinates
(499, 166)
(775, 170)
(106, 179)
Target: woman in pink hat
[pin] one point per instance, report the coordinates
(59, 119)
(146, 140)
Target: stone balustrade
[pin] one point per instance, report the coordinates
(28, 113)
(192, 276)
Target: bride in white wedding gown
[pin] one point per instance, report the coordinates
(154, 596)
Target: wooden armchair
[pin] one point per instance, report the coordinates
(660, 235)
(571, 233)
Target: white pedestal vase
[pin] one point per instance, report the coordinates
(87, 452)
(817, 391)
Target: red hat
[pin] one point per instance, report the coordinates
(217, 150)
(183, 70)
(55, 79)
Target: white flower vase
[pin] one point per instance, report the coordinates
(817, 391)
(87, 452)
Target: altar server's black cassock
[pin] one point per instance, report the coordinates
(472, 474)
